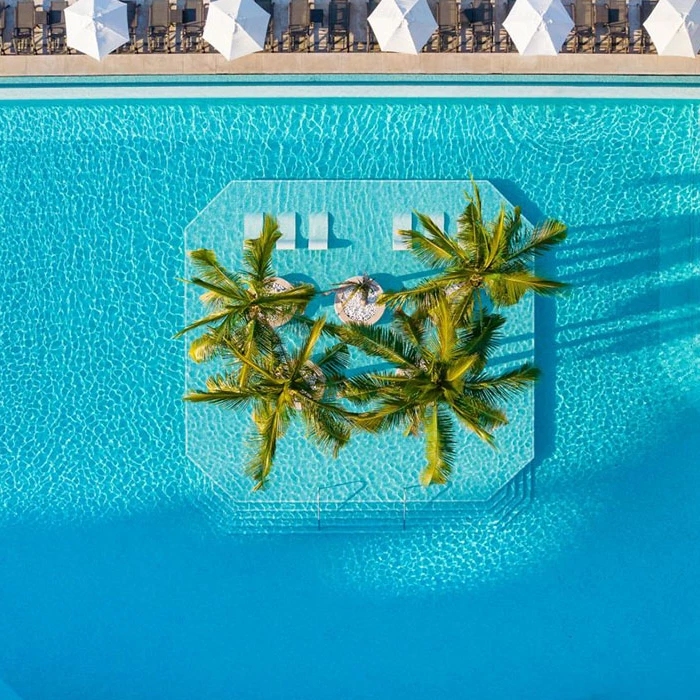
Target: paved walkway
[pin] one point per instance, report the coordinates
(337, 63)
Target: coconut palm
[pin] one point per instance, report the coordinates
(438, 381)
(492, 259)
(245, 307)
(283, 385)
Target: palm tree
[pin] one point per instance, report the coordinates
(283, 385)
(495, 259)
(439, 381)
(364, 291)
(244, 308)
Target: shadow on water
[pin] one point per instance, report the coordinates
(545, 331)
(333, 240)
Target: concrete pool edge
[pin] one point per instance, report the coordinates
(317, 86)
(351, 63)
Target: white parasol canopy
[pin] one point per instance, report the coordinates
(402, 26)
(674, 27)
(538, 27)
(96, 27)
(236, 28)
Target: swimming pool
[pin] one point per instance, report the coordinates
(119, 578)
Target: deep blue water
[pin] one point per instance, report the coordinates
(115, 582)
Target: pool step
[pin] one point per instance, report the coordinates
(256, 517)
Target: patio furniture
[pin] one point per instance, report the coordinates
(502, 38)
(584, 26)
(133, 12)
(339, 23)
(479, 19)
(449, 30)
(3, 20)
(23, 33)
(269, 7)
(611, 23)
(188, 22)
(645, 10)
(56, 28)
(159, 27)
(372, 43)
(299, 24)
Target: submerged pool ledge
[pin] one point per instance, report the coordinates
(352, 63)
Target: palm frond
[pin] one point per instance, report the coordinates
(509, 287)
(421, 297)
(381, 342)
(545, 236)
(439, 447)
(334, 361)
(257, 252)
(271, 422)
(210, 270)
(501, 387)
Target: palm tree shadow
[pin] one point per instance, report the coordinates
(545, 329)
(316, 304)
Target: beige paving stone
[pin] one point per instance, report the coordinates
(350, 62)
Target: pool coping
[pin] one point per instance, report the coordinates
(350, 63)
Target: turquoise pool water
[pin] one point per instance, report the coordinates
(119, 576)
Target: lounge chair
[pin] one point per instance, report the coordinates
(401, 222)
(480, 25)
(299, 25)
(133, 12)
(159, 27)
(56, 28)
(449, 29)
(23, 33)
(339, 24)
(318, 231)
(252, 225)
(3, 20)
(646, 44)
(288, 228)
(584, 25)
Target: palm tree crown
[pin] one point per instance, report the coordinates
(495, 258)
(439, 380)
(281, 385)
(244, 307)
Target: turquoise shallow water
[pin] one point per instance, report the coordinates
(116, 582)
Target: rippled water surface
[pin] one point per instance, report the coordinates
(119, 578)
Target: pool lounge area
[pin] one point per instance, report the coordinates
(138, 563)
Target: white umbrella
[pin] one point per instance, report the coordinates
(403, 26)
(674, 27)
(96, 27)
(236, 28)
(538, 27)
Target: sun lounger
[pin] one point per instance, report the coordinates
(288, 228)
(402, 222)
(252, 225)
(318, 231)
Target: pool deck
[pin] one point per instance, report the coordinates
(350, 63)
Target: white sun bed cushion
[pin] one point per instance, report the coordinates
(252, 225)
(287, 223)
(401, 222)
(318, 231)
